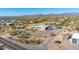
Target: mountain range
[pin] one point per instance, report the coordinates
(51, 14)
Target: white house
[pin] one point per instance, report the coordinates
(74, 38)
(40, 27)
(6, 23)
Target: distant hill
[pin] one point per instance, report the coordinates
(65, 14)
(73, 13)
(62, 14)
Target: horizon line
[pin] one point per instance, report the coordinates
(40, 14)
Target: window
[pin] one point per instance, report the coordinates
(74, 41)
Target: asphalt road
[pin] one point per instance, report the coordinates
(11, 44)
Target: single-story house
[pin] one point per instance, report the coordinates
(74, 38)
(6, 23)
(40, 27)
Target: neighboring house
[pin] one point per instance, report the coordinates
(74, 38)
(7, 23)
(40, 27)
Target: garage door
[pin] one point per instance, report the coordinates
(74, 41)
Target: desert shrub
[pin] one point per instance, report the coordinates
(30, 41)
(52, 34)
(13, 33)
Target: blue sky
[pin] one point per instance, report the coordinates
(33, 11)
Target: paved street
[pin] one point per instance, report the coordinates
(11, 44)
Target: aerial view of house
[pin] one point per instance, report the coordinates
(39, 28)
